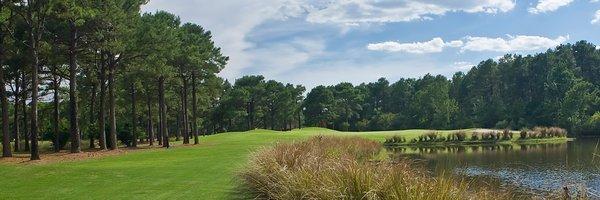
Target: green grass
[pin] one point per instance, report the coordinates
(206, 171)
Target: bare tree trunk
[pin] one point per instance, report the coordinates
(163, 112)
(74, 114)
(56, 114)
(194, 109)
(102, 107)
(133, 116)
(92, 112)
(16, 121)
(111, 110)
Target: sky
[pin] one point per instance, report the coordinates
(325, 42)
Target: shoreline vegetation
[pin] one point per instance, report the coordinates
(338, 167)
(537, 135)
(332, 167)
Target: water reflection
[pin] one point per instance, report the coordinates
(540, 167)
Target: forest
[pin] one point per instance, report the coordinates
(560, 87)
(100, 71)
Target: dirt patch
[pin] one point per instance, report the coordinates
(22, 158)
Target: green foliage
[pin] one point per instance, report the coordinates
(555, 88)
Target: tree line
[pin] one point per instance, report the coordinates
(560, 87)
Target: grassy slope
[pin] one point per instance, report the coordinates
(200, 172)
(205, 171)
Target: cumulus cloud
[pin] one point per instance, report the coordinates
(377, 11)
(433, 46)
(512, 43)
(548, 6)
(596, 18)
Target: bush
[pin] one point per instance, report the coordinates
(431, 136)
(395, 140)
(63, 138)
(556, 132)
(345, 126)
(124, 134)
(507, 134)
(490, 136)
(475, 136)
(309, 170)
(523, 134)
(458, 136)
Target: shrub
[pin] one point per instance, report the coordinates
(475, 136)
(507, 134)
(431, 136)
(458, 136)
(395, 140)
(309, 170)
(556, 132)
(63, 137)
(523, 134)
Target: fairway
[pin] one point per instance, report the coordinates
(205, 171)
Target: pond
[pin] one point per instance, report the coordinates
(537, 169)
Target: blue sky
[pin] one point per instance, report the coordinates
(313, 43)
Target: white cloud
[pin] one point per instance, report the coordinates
(511, 44)
(548, 5)
(596, 18)
(433, 46)
(377, 11)
(230, 22)
(278, 58)
(462, 65)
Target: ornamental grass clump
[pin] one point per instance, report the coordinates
(507, 134)
(523, 134)
(343, 168)
(394, 140)
(458, 136)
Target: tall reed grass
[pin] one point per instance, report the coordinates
(344, 168)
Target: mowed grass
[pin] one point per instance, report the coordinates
(205, 171)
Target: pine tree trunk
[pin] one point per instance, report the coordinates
(35, 154)
(74, 114)
(186, 131)
(26, 134)
(55, 114)
(159, 125)
(133, 116)
(149, 113)
(112, 121)
(6, 152)
(92, 112)
(16, 122)
(163, 112)
(102, 106)
(194, 109)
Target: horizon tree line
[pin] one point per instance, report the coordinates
(560, 87)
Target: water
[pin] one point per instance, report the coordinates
(537, 169)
